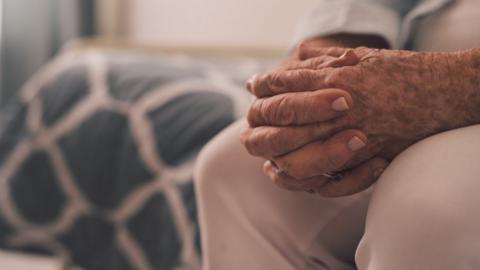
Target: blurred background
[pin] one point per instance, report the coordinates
(33, 31)
(105, 105)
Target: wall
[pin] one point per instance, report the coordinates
(227, 23)
(27, 42)
(1, 49)
(111, 17)
(33, 31)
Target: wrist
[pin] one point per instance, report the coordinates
(471, 60)
(464, 77)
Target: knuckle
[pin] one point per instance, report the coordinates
(276, 111)
(292, 169)
(276, 140)
(303, 50)
(321, 61)
(315, 62)
(276, 80)
(267, 143)
(253, 112)
(362, 50)
(306, 75)
(245, 136)
(334, 77)
(262, 107)
(261, 112)
(249, 141)
(251, 149)
(256, 81)
(283, 113)
(268, 111)
(255, 146)
(258, 144)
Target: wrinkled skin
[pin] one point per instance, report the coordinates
(396, 98)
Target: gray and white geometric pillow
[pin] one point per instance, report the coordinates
(96, 156)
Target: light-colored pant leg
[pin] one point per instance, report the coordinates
(450, 29)
(424, 213)
(248, 223)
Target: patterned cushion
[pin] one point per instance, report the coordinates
(96, 156)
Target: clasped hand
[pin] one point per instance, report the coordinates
(348, 111)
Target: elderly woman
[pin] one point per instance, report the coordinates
(330, 122)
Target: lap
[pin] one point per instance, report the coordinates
(433, 182)
(303, 228)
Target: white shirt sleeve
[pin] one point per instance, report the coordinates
(379, 17)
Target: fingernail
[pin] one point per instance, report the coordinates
(378, 172)
(340, 104)
(356, 144)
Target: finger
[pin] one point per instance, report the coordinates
(285, 81)
(279, 178)
(294, 63)
(270, 141)
(349, 58)
(299, 108)
(283, 180)
(356, 180)
(306, 52)
(312, 63)
(322, 157)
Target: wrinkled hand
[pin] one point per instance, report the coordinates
(352, 113)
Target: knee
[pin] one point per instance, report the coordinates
(422, 212)
(211, 165)
(219, 162)
(415, 231)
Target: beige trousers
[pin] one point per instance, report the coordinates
(423, 214)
